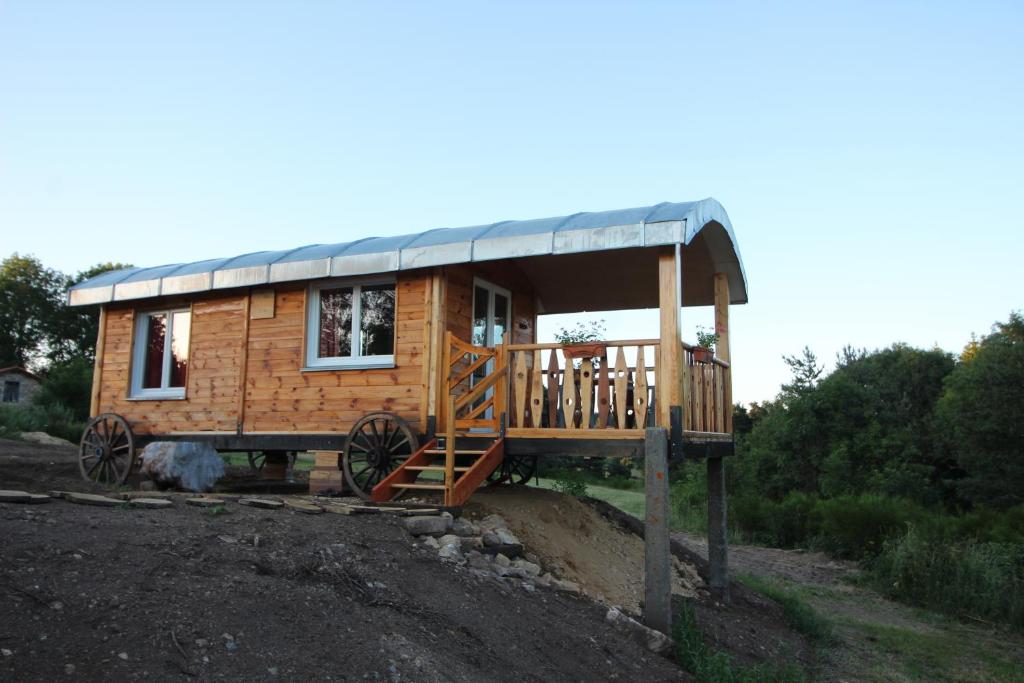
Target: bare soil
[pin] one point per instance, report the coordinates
(188, 593)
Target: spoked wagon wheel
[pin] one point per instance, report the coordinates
(107, 452)
(259, 458)
(514, 469)
(377, 444)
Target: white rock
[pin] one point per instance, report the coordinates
(464, 527)
(529, 568)
(655, 641)
(565, 585)
(428, 525)
(45, 439)
(502, 561)
(449, 539)
(451, 553)
(186, 465)
(491, 539)
(506, 537)
(431, 542)
(492, 522)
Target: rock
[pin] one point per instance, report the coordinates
(491, 539)
(655, 641)
(502, 560)
(428, 526)
(123, 655)
(544, 579)
(506, 537)
(202, 642)
(90, 499)
(451, 553)
(432, 542)
(492, 522)
(531, 557)
(204, 502)
(151, 503)
(23, 497)
(45, 439)
(478, 561)
(5, 652)
(507, 550)
(449, 539)
(262, 503)
(532, 570)
(69, 669)
(303, 507)
(471, 543)
(185, 465)
(464, 527)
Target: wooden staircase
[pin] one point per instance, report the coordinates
(475, 409)
(430, 469)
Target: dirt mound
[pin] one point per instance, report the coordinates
(575, 542)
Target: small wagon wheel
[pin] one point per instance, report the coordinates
(514, 469)
(257, 459)
(106, 453)
(376, 445)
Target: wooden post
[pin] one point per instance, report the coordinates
(97, 368)
(669, 372)
(722, 346)
(718, 542)
(657, 557)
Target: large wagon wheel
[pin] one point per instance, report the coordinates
(106, 453)
(514, 469)
(376, 445)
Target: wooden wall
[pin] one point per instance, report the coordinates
(503, 274)
(213, 375)
(278, 395)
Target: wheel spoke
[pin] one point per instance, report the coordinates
(405, 440)
(112, 437)
(376, 434)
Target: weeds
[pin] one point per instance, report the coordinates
(800, 616)
(696, 657)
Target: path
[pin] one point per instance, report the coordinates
(878, 639)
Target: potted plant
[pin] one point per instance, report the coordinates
(705, 349)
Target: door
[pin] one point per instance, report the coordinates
(492, 311)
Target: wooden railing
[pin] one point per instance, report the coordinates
(591, 386)
(707, 394)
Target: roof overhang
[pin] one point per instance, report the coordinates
(702, 227)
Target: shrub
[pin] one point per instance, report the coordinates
(55, 420)
(965, 578)
(797, 614)
(857, 527)
(570, 482)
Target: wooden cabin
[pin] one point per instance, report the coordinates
(415, 357)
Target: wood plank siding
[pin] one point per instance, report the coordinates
(278, 395)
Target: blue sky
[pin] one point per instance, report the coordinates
(869, 154)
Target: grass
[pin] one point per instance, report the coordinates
(303, 462)
(626, 500)
(708, 666)
(796, 611)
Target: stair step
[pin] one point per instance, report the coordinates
(441, 451)
(433, 468)
(426, 487)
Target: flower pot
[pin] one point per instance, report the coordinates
(702, 355)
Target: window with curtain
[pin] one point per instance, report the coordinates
(160, 362)
(351, 326)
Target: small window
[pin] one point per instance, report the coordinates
(351, 326)
(12, 391)
(160, 365)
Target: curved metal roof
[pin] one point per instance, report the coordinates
(665, 223)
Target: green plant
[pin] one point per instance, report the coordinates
(217, 510)
(706, 338)
(570, 482)
(55, 420)
(795, 611)
(966, 578)
(857, 527)
(707, 666)
(581, 333)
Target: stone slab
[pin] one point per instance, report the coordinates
(262, 503)
(91, 499)
(22, 497)
(303, 507)
(151, 503)
(204, 502)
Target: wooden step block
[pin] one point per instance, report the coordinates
(150, 503)
(420, 487)
(263, 503)
(204, 502)
(433, 468)
(441, 451)
(23, 497)
(303, 507)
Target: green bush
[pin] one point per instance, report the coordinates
(856, 527)
(55, 420)
(798, 614)
(67, 384)
(570, 482)
(965, 578)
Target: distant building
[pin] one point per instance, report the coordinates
(19, 384)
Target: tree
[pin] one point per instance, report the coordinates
(981, 414)
(71, 331)
(30, 297)
(806, 372)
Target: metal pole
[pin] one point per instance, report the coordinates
(657, 557)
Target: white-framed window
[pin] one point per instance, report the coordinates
(160, 357)
(351, 325)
